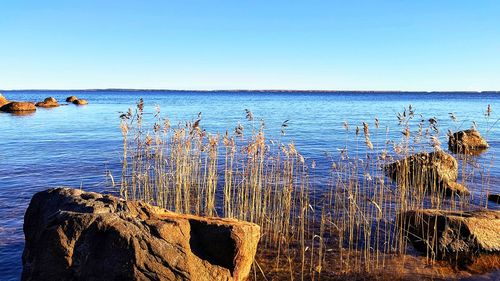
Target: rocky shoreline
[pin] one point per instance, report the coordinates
(76, 235)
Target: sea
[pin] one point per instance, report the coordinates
(80, 146)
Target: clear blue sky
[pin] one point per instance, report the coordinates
(350, 45)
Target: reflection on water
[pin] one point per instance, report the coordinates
(19, 113)
(75, 146)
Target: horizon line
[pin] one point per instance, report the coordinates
(255, 90)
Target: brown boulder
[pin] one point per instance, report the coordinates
(454, 236)
(16, 106)
(80, 102)
(427, 171)
(71, 98)
(76, 235)
(3, 100)
(467, 141)
(48, 102)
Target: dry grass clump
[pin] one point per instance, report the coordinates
(344, 229)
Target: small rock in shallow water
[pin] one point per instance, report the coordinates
(430, 171)
(71, 98)
(76, 235)
(50, 99)
(467, 141)
(80, 102)
(47, 103)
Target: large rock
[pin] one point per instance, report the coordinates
(76, 235)
(427, 171)
(467, 141)
(17, 106)
(454, 236)
(47, 103)
(3, 100)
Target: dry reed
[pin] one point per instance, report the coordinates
(347, 227)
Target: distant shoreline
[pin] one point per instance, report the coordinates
(255, 91)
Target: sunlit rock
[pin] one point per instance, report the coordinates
(48, 102)
(76, 235)
(17, 106)
(3, 100)
(453, 235)
(468, 142)
(71, 98)
(430, 172)
(80, 102)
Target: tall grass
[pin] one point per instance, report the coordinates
(347, 226)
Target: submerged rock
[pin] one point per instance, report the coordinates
(429, 172)
(3, 100)
(16, 106)
(48, 102)
(454, 236)
(71, 98)
(467, 141)
(76, 235)
(80, 102)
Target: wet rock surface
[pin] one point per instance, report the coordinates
(76, 235)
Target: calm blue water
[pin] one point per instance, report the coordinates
(74, 146)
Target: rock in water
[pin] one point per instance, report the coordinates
(3, 100)
(76, 235)
(428, 171)
(467, 141)
(454, 236)
(71, 98)
(80, 102)
(47, 103)
(50, 99)
(16, 106)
